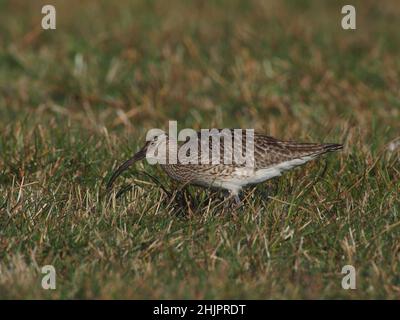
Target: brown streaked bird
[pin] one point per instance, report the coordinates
(271, 158)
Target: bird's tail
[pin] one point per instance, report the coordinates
(329, 147)
(300, 149)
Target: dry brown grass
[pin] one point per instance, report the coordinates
(76, 101)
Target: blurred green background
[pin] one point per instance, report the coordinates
(77, 100)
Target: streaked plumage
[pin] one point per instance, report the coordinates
(271, 156)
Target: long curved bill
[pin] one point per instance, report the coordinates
(137, 157)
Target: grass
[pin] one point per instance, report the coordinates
(76, 101)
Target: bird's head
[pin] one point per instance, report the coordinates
(155, 144)
(153, 149)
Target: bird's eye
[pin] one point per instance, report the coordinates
(155, 138)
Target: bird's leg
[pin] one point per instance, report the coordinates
(236, 200)
(180, 198)
(233, 200)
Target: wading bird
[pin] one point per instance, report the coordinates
(270, 158)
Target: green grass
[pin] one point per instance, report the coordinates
(77, 101)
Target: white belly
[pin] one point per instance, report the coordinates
(245, 176)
